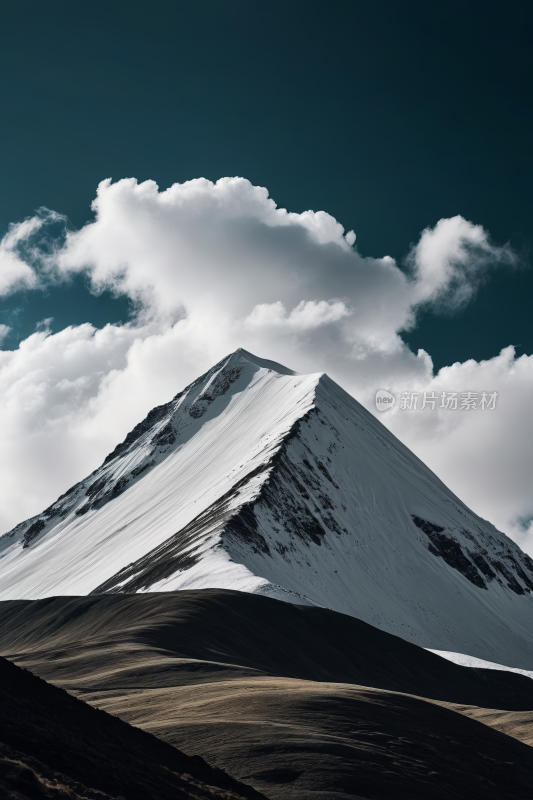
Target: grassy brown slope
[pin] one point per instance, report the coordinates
(275, 694)
(52, 745)
(302, 740)
(152, 640)
(518, 724)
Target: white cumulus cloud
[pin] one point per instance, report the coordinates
(451, 259)
(306, 315)
(214, 266)
(15, 272)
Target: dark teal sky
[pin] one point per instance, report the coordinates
(387, 115)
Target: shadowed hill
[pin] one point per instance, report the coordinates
(277, 694)
(52, 745)
(302, 740)
(157, 640)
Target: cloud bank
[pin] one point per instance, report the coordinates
(211, 267)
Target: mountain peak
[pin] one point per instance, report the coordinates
(260, 479)
(241, 356)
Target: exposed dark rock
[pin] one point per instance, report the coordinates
(326, 474)
(483, 565)
(303, 492)
(119, 487)
(139, 470)
(519, 571)
(98, 497)
(244, 526)
(155, 415)
(289, 508)
(166, 436)
(447, 548)
(326, 501)
(96, 487)
(427, 527)
(528, 562)
(33, 531)
(217, 388)
(333, 525)
(512, 583)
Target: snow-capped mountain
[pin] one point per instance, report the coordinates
(259, 479)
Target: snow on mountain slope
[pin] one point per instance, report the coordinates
(478, 663)
(176, 479)
(258, 479)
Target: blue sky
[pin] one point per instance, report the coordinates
(388, 117)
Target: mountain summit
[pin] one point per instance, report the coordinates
(259, 479)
